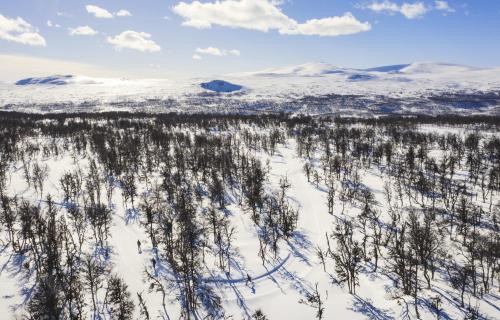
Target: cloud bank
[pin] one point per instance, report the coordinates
(408, 10)
(263, 15)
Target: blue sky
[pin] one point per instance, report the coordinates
(162, 38)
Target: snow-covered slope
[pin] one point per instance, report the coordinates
(436, 68)
(311, 69)
(392, 68)
(57, 80)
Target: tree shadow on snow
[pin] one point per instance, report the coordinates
(429, 306)
(296, 282)
(131, 215)
(210, 301)
(452, 300)
(103, 254)
(19, 268)
(241, 300)
(300, 247)
(366, 307)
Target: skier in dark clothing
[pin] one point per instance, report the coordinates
(139, 246)
(249, 281)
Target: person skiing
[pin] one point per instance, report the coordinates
(249, 280)
(139, 246)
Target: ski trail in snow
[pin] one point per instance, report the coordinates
(229, 280)
(244, 279)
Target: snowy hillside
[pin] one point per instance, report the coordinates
(57, 80)
(429, 88)
(304, 70)
(436, 68)
(60, 80)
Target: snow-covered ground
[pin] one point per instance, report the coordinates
(279, 284)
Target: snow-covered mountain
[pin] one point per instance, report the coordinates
(56, 79)
(312, 69)
(316, 69)
(422, 87)
(436, 68)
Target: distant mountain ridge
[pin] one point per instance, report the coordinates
(53, 80)
(433, 67)
(311, 69)
(314, 69)
(312, 88)
(58, 80)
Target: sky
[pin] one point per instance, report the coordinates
(168, 38)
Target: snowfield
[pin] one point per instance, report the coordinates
(142, 169)
(418, 88)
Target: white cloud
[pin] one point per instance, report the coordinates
(52, 25)
(443, 6)
(197, 57)
(210, 50)
(386, 6)
(102, 13)
(99, 12)
(82, 31)
(216, 52)
(414, 10)
(235, 52)
(123, 13)
(262, 15)
(409, 10)
(19, 31)
(134, 40)
(248, 14)
(63, 14)
(333, 26)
